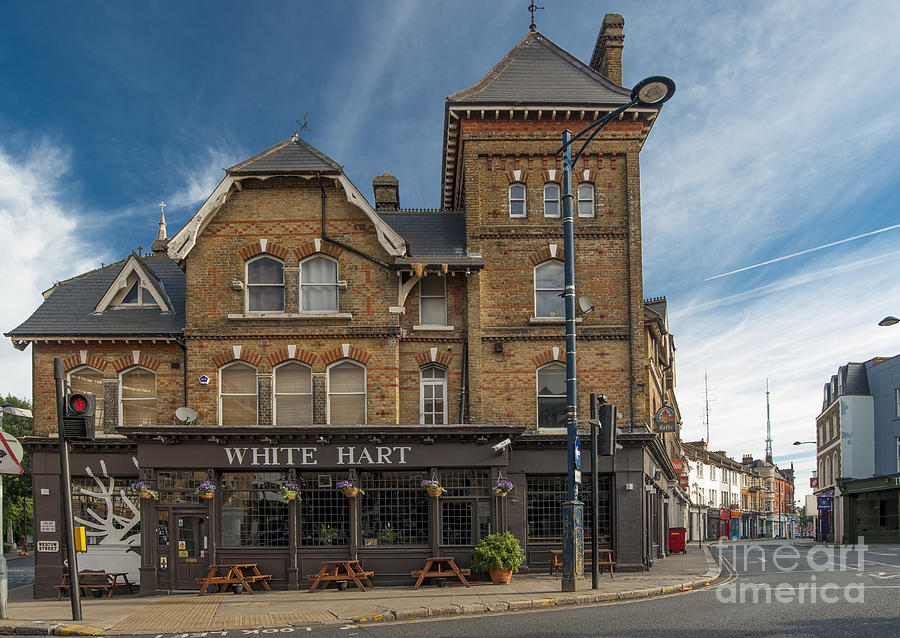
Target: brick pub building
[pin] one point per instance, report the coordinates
(320, 338)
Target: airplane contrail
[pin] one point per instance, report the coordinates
(803, 252)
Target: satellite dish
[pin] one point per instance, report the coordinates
(585, 304)
(186, 415)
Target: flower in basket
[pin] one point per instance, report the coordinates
(144, 490)
(206, 488)
(349, 488)
(431, 486)
(290, 491)
(503, 487)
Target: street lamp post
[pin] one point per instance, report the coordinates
(652, 91)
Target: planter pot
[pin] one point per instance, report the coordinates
(500, 493)
(351, 493)
(237, 588)
(145, 494)
(290, 496)
(501, 576)
(206, 495)
(434, 493)
(341, 585)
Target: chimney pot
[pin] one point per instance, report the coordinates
(387, 192)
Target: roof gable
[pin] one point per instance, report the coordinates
(290, 157)
(538, 71)
(136, 276)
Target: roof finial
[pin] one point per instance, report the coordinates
(532, 7)
(162, 221)
(304, 126)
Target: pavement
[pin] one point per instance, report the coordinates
(134, 615)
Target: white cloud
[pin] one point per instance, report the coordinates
(200, 177)
(40, 221)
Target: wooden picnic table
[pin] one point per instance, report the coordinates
(341, 570)
(435, 568)
(605, 555)
(95, 581)
(232, 574)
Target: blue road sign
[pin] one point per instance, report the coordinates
(577, 453)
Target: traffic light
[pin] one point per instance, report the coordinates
(607, 442)
(78, 422)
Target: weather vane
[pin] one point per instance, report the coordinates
(303, 126)
(533, 7)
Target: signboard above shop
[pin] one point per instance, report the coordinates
(666, 420)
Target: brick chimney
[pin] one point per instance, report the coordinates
(748, 458)
(387, 192)
(607, 57)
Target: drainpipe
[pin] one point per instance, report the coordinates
(464, 382)
(181, 343)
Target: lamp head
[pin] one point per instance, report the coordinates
(888, 321)
(653, 91)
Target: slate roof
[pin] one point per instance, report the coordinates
(851, 380)
(537, 71)
(290, 157)
(68, 310)
(433, 237)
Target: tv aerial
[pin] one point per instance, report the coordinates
(186, 415)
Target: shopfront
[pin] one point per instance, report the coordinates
(872, 510)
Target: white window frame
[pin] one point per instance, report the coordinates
(328, 392)
(122, 398)
(336, 285)
(538, 395)
(558, 200)
(561, 289)
(699, 470)
(897, 402)
(523, 199)
(432, 382)
(443, 296)
(593, 207)
(248, 286)
(230, 394)
(276, 394)
(98, 400)
(140, 294)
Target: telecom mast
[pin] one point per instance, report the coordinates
(768, 427)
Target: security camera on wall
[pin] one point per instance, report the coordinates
(501, 445)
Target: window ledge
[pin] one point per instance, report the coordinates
(551, 320)
(284, 316)
(432, 327)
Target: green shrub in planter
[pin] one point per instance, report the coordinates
(497, 551)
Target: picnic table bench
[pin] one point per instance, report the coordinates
(440, 567)
(341, 570)
(95, 582)
(230, 575)
(606, 558)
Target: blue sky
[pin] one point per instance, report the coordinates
(780, 139)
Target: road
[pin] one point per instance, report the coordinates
(21, 572)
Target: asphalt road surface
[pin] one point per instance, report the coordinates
(770, 588)
(21, 572)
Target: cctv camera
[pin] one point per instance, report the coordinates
(502, 444)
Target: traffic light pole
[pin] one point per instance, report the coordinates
(65, 487)
(595, 501)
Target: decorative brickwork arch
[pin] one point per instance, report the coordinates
(517, 176)
(318, 246)
(237, 353)
(586, 175)
(84, 359)
(262, 246)
(136, 358)
(555, 353)
(291, 353)
(552, 175)
(433, 356)
(346, 351)
(552, 251)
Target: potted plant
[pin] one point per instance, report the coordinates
(144, 491)
(433, 487)
(290, 492)
(206, 489)
(327, 534)
(503, 487)
(500, 555)
(349, 489)
(389, 534)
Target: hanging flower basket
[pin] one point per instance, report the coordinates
(290, 492)
(433, 488)
(502, 488)
(144, 490)
(349, 489)
(206, 490)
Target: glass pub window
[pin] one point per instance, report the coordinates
(265, 285)
(138, 397)
(237, 394)
(432, 301)
(325, 512)
(346, 393)
(551, 199)
(544, 508)
(466, 507)
(319, 285)
(551, 395)
(517, 200)
(395, 509)
(433, 396)
(293, 394)
(253, 512)
(178, 486)
(549, 282)
(91, 502)
(586, 199)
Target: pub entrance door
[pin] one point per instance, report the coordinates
(189, 558)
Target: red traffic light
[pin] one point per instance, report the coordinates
(78, 404)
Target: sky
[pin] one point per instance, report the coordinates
(769, 182)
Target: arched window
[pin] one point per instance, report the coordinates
(293, 394)
(237, 394)
(265, 285)
(836, 470)
(585, 199)
(517, 200)
(432, 395)
(551, 199)
(89, 380)
(551, 395)
(319, 285)
(548, 288)
(137, 397)
(346, 393)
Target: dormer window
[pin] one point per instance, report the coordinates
(136, 285)
(137, 295)
(265, 285)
